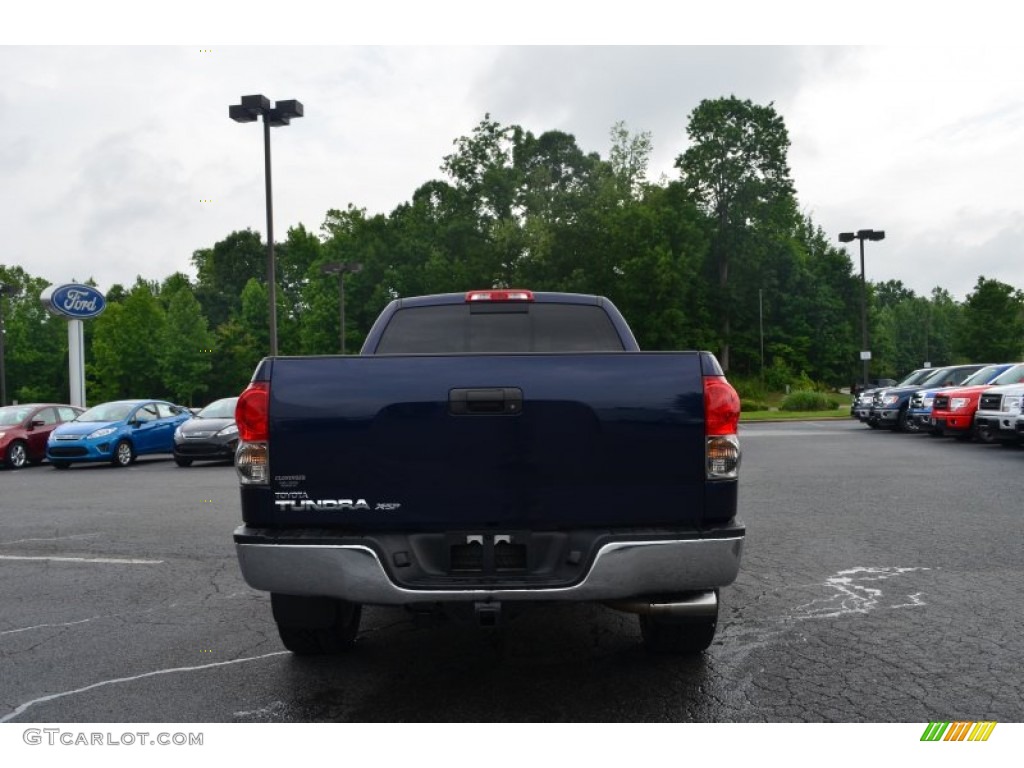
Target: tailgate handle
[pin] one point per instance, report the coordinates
(493, 401)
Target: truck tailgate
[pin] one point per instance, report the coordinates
(531, 441)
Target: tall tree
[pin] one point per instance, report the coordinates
(992, 325)
(629, 157)
(187, 349)
(223, 271)
(127, 346)
(737, 170)
(35, 343)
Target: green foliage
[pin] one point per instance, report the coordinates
(629, 156)
(992, 324)
(808, 401)
(223, 271)
(187, 351)
(752, 405)
(35, 344)
(127, 347)
(779, 375)
(736, 170)
(748, 387)
(718, 259)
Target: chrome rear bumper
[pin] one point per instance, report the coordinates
(620, 570)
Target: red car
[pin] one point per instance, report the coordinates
(24, 429)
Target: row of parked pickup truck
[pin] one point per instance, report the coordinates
(970, 402)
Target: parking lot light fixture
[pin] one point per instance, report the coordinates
(849, 237)
(341, 268)
(248, 111)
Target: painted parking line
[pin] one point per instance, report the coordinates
(108, 560)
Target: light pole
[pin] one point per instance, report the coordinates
(280, 114)
(862, 235)
(5, 290)
(341, 268)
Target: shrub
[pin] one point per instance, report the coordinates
(807, 401)
(748, 387)
(752, 405)
(778, 376)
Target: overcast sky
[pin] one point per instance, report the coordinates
(121, 161)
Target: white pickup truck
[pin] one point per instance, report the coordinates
(999, 413)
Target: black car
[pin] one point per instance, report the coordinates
(210, 435)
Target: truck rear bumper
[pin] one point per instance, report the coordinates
(620, 569)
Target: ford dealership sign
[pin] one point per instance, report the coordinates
(76, 301)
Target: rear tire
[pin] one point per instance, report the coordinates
(316, 626)
(17, 455)
(684, 637)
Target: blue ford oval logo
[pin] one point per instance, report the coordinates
(73, 300)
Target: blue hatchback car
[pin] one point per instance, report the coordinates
(116, 432)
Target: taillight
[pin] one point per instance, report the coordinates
(251, 412)
(504, 294)
(721, 422)
(721, 407)
(252, 415)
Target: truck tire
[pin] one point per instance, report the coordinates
(17, 455)
(314, 626)
(905, 424)
(984, 434)
(679, 637)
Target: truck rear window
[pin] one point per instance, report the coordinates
(504, 327)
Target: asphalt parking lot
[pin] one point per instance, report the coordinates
(880, 582)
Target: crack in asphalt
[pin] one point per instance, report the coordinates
(129, 614)
(50, 538)
(45, 626)
(22, 708)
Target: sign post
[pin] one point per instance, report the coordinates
(75, 302)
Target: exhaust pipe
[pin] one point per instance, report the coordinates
(684, 607)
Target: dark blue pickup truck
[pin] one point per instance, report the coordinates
(485, 451)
